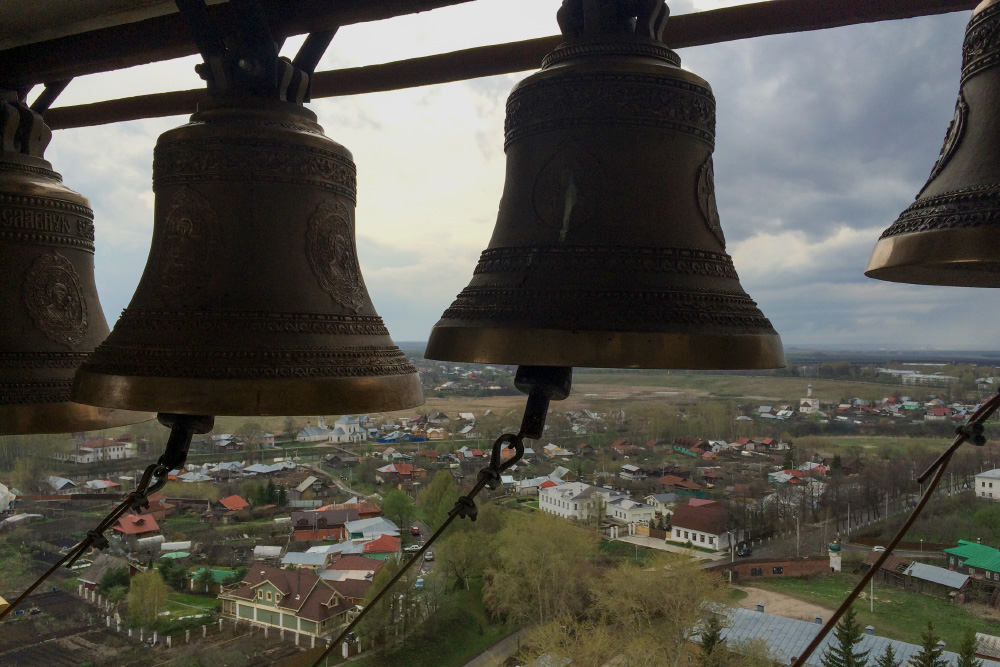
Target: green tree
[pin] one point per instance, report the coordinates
(204, 580)
(534, 554)
(437, 498)
(464, 554)
(379, 623)
(282, 496)
(888, 658)
(28, 475)
(115, 577)
(840, 652)
(398, 508)
(930, 651)
(713, 646)
(236, 577)
(173, 573)
(146, 597)
(967, 650)
(270, 493)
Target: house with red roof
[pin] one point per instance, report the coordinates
(234, 503)
(158, 507)
(133, 526)
(703, 525)
(623, 447)
(383, 548)
(395, 473)
(352, 567)
(322, 524)
(366, 509)
(297, 600)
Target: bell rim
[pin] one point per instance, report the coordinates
(64, 417)
(604, 349)
(943, 257)
(234, 397)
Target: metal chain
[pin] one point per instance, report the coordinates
(971, 430)
(465, 507)
(182, 427)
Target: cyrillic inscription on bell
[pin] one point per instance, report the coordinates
(52, 318)
(951, 234)
(608, 250)
(252, 300)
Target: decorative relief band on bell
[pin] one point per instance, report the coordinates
(952, 138)
(613, 98)
(330, 248)
(652, 309)
(39, 360)
(975, 207)
(250, 322)
(49, 174)
(981, 49)
(616, 47)
(148, 361)
(46, 221)
(570, 259)
(257, 123)
(54, 299)
(260, 161)
(28, 393)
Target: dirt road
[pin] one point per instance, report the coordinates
(780, 604)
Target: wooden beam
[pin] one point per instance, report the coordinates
(710, 27)
(167, 37)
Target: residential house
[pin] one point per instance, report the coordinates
(297, 600)
(320, 525)
(395, 473)
(310, 486)
(60, 485)
(438, 419)
(218, 578)
(317, 558)
(623, 448)
(93, 451)
(104, 563)
(631, 472)
(352, 567)
(383, 548)
(555, 451)
(435, 433)
(131, 527)
(573, 500)
(103, 486)
(978, 560)
(984, 484)
(263, 553)
(366, 509)
(703, 526)
(370, 529)
(584, 449)
(662, 502)
(227, 442)
(626, 510)
(158, 507)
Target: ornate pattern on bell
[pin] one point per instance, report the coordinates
(951, 234)
(252, 300)
(608, 250)
(51, 317)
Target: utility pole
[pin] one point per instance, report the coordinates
(797, 536)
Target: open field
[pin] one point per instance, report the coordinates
(898, 614)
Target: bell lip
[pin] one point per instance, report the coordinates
(967, 257)
(604, 349)
(64, 417)
(235, 397)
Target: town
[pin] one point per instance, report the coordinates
(277, 540)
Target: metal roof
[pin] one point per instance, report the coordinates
(786, 638)
(937, 575)
(990, 474)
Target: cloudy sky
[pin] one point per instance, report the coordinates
(823, 138)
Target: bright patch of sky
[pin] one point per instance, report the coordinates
(823, 138)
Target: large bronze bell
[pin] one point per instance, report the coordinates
(50, 317)
(252, 300)
(951, 234)
(608, 250)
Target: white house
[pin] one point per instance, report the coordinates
(703, 525)
(632, 472)
(662, 502)
(629, 511)
(101, 450)
(573, 500)
(988, 484)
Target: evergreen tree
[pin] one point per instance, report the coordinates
(713, 646)
(930, 651)
(836, 463)
(967, 650)
(888, 658)
(789, 461)
(840, 652)
(271, 493)
(282, 496)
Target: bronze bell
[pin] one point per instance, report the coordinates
(608, 251)
(951, 234)
(51, 317)
(252, 300)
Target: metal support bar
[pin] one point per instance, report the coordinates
(697, 29)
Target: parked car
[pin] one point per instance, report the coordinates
(414, 530)
(412, 548)
(878, 549)
(429, 556)
(420, 583)
(743, 552)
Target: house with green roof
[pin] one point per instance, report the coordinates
(979, 561)
(219, 577)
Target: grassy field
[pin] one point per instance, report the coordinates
(898, 614)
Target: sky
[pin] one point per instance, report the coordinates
(823, 138)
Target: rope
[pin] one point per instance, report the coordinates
(972, 429)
